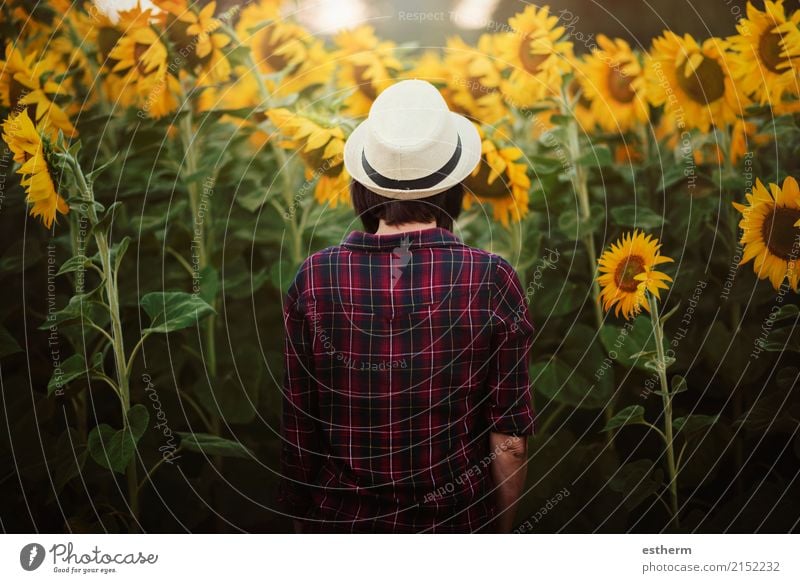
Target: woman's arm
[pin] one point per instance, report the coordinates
(509, 468)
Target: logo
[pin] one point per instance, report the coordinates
(400, 258)
(31, 556)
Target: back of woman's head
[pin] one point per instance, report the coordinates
(370, 207)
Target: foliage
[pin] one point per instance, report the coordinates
(171, 171)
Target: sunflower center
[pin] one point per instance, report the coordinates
(626, 271)
(619, 84)
(573, 89)
(477, 89)
(706, 84)
(275, 60)
(479, 184)
(363, 82)
(770, 49)
(107, 38)
(780, 234)
(532, 62)
(139, 50)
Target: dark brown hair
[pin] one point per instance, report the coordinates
(370, 207)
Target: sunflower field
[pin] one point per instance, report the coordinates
(165, 173)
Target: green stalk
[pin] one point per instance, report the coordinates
(735, 307)
(666, 399)
(210, 324)
(81, 406)
(295, 230)
(580, 182)
(117, 340)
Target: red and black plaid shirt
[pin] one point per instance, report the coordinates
(403, 351)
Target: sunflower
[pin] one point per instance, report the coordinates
(141, 59)
(428, 66)
(139, 51)
(321, 147)
(198, 39)
(277, 46)
(501, 180)
(29, 151)
(582, 109)
(766, 52)
(316, 69)
(614, 83)
(474, 80)
(771, 231)
(22, 87)
(367, 65)
(628, 270)
(692, 82)
(537, 52)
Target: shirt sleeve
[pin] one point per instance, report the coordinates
(300, 450)
(509, 409)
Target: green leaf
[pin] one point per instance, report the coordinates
(118, 251)
(107, 216)
(96, 171)
(546, 165)
(80, 307)
(558, 298)
(73, 264)
(693, 423)
(170, 311)
(630, 344)
(634, 216)
(70, 457)
(72, 368)
(208, 284)
(597, 156)
(578, 374)
(214, 445)
(574, 227)
(8, 344)
(636, 481)
(678, 384)
(114, 449)
(789, 311)
(631, 415)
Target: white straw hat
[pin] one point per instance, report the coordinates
(411, 145)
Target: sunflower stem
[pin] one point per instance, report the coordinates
(118, 343)
(580, 182)
(666, 399)
(199, 238)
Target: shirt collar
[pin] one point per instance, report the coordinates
(433, 237)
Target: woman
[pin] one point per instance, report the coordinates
(406, 398)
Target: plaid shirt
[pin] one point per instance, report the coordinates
(403, 351)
